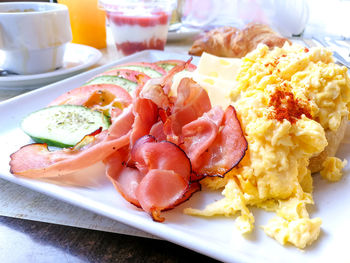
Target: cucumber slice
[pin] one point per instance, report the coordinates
(166, 66)
(63, 125)
(148, 71)
(122, 82)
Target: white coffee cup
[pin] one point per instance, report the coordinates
(33, 36)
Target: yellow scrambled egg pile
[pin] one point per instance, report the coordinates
(274, 174)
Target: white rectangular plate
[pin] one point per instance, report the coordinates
(215, 237)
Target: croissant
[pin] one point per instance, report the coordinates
(233, 42)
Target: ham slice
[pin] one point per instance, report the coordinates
(199, 135)
(159, 190)
(36, 161)
(227, 150)
(158, 89)
(191, 103)
(153, 91)
(125, 179)
(166, 181)
(157, 131)
(167, 80)
(160, 181)
(146, 115)
(149, 154)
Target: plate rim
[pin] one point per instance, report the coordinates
(97, 55)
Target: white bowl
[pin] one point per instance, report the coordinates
(33, 36)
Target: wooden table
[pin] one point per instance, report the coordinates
(38, 228)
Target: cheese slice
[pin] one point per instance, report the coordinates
(218, 67)
(216, 75)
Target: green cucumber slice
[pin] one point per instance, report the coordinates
(63, 125)
(152, 73)
(166, 66)
(116, 80)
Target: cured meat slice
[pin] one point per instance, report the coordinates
(153, 91)
(125, 179)
(167, 80)
(157, 131)
(167, 173)
(146, 115)
(149, 154)
(228, 149)
(191, 103)
(192, 188)
(36, 161)
(159, 190)
(199, 135)
(158, 89)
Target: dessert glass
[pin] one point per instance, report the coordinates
(137, 25)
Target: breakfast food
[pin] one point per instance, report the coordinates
(248, 126)
(63, 125)
(138, 32)
(334, 138)
(287, 100)
(199, 140)
(235, 43)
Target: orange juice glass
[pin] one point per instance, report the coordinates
(88, 22)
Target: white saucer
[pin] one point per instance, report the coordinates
(182, 33)
(77, 58)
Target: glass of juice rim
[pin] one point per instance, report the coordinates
(137, 25)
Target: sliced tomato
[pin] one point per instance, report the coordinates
(102, 97)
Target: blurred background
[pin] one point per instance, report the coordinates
(320, 17)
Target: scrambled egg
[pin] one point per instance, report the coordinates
(332, 167)
(274, 174)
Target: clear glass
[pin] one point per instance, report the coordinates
(88, 22)
(137, 25)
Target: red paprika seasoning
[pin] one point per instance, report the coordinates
(287, 107)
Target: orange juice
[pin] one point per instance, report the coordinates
(88, 22)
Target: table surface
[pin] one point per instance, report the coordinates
(38, 228)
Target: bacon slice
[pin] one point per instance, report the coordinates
(36, 161)
(228, 149)
(199, 135)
